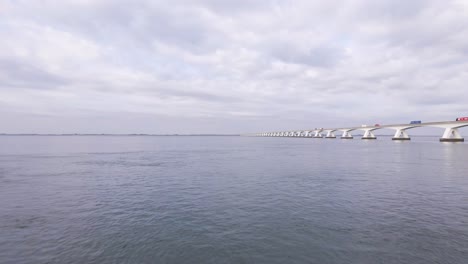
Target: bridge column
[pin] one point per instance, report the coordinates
(368, 134)
(401, 134)
(317, 134)
(346, 135)
(451, 135)
(330, 134)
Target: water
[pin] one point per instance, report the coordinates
(137, 199)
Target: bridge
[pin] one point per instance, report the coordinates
(451, 133)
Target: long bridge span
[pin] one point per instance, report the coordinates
(451, 133)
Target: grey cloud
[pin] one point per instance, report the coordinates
(197, 95)
(20, 74)
(395, 10)
(232, 7)
(436, 100)
(322, 56)
(138, 24)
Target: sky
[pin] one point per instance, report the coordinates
(208, 66)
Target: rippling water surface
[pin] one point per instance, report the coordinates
(143, 199)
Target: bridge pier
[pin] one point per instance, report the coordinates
(401, 134)
(330, 134)
(346, 135)
(451, 135)
(368, 134)
(317, 134)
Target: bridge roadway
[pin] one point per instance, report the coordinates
(451, 133)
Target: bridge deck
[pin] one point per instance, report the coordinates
(427, 124)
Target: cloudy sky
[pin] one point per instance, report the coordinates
(208, 66)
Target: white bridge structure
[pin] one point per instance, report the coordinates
(451, 133)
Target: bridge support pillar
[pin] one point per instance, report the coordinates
(330, 134)
(451, 135)
(346, 135)
(401, 134)
(317, 134)
(368, 135)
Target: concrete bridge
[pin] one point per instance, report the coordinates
(450, 134)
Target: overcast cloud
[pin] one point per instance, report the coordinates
(208, 66)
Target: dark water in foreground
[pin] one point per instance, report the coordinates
(117, 199)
